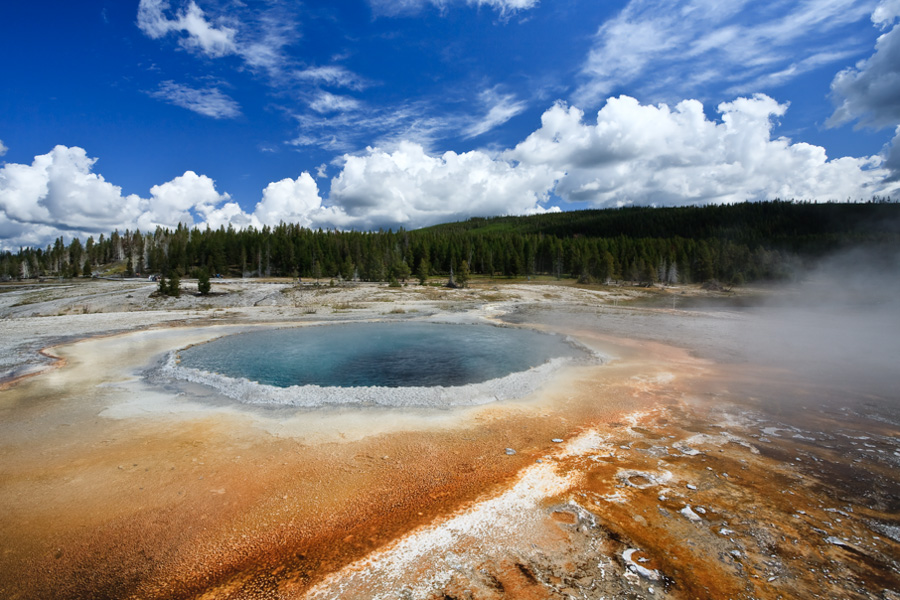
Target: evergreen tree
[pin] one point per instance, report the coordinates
(607, 267)
(87, 270)
(203, 285)
(347, 269)
(462, 276)
(401, 270)
(422, 271)
(174, 287)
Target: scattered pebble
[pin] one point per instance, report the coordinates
(510, 451)
(691, 486)
(557, 440)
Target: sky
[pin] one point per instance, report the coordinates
(367, 114)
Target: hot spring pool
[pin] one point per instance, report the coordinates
(387, 363)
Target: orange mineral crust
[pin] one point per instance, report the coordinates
(654, 475)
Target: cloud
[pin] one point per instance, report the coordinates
(501, 108)
(293, 201)
(886, 13)
(178, 200)
(263, 38)
(59, 191)
(3, 148)
(411, 188)
(672, 49)
(333, 76)
(345, 125)
(408, 7)
(326, 102)
(210, 102)
(384, 127)
(59, 194)
(870, 91)
(214, 41)
(257, 36)
(633, 154)
(892, 160)
(644, 154)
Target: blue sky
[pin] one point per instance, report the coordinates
(365, 114)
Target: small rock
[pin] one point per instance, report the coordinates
(510, 451)
(539, 461)
(689, 514)
(556, 440)
(691, 486)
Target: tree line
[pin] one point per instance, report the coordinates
(729, 243)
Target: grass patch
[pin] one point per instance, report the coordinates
(345, 306)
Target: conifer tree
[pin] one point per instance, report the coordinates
(422, 271)
(462, 276)
(174, 287)
(203, 285)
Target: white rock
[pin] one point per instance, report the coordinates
(690, 515)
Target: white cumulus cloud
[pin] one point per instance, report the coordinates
(411, 188)
(178, 200)
(892, 160)
(59, 190)
(886, 12)
(59, 194)
(292, 201)
(632, 154)
(870, 91)
(646, 154)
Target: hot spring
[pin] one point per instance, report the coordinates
(384, 363)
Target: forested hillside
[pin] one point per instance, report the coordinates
(731, 243)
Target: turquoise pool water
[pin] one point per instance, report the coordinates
(385, 354)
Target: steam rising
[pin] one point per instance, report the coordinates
(840, 325)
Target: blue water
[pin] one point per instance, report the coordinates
(378, 354)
